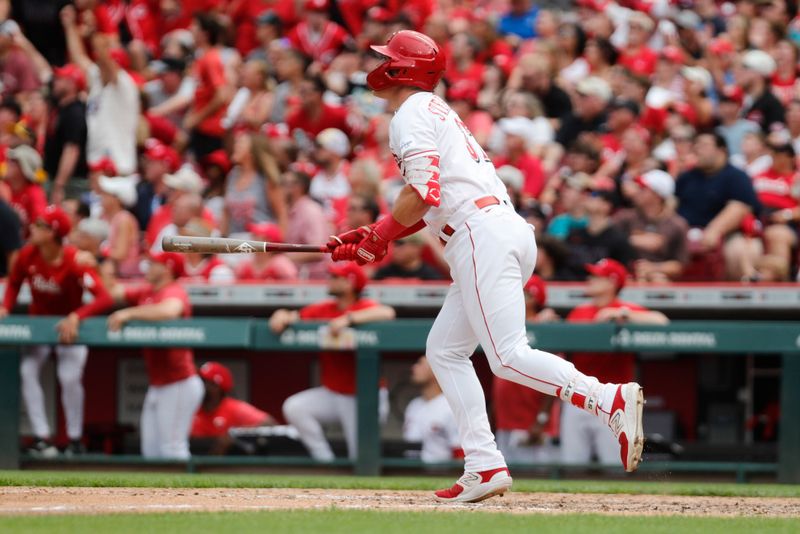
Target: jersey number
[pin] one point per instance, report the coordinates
(477, 155)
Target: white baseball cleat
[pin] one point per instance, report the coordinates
(625, 421)
(476, 487)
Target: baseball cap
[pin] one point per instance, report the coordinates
(594, 86)
(760, 62)
(269, 17)
(658, 181)
(121, 187)
(687, 19)
(168, 64)
(380, 14)
(625, 103)
(267, 231)
(518, 126)
(511, 177)
(72, 72)
(29, 160)
(720, 45)
(352, 271)
(697, 75)
(57, 220)
(673, 53)
(608, 268)
(464, 90)
(334, 140)
(536, 289)
(172, 260)
(185, 179)
(218, 374)
(158, 151)
(219, 158)
(732, 93)
(316, 5)
(104, 165)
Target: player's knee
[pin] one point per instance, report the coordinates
(69, 376)
(29, 370)
(293, 408)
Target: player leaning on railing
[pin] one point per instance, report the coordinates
(452, 187)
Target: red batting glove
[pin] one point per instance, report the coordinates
(351, 236)
(346, 252)
(372, 248)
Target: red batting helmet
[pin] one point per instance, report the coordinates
(413, 59)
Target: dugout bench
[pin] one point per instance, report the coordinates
(723, 338)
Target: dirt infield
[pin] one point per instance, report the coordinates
(45, 500)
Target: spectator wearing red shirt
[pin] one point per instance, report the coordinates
(211, 96)
(583, 435)
(334, 400)
(175, 390)
(526, 421)
(57, 283)
(269, 265)
(24, 169)
(778, 191)
(314, 115)
(317, 36)
(461, 66)
(519, 131)
(637, 56)
(142, 20)
(220, 412)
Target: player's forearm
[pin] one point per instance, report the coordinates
(174, 104)
(729, 219)
(372, 315)
(163, 311)
(101, 303)
(648, 317)
(409, 208)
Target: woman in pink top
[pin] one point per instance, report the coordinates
(122, 248)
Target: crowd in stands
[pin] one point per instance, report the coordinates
(663, 134)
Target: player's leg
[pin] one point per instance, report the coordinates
(492, 257)
(174, 413)
(149, 439)
(71, 362)
(345, 406)
(450, 344)
(307, 411)
(33, 359)
(576, 440)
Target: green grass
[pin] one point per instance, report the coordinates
(175, 480)
(351, 521)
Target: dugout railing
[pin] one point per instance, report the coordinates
(695, 337)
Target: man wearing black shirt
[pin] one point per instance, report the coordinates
(39, 20)
(407, 261)
(753, 75)
(599, 239)
(65, 147)
(717, 198)
(10, 237)
(589, 115)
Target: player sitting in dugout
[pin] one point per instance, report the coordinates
(334, 400)
(220, 412)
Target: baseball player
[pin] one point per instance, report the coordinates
(334, 400)
(452, 187)
(582, 435)
(175, 391)
(428, 419)
(57, 282)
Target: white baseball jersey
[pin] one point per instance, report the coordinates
(431, 422)
(426, 127)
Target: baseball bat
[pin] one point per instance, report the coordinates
(224, 245)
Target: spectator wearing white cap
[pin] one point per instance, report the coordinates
(654, 230)
(592, 96)
(117, 195)
(699, 83)
(330, 183)
(513, 179)
(185, 181)
(22, 175)
(753, 75)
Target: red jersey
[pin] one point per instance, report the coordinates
(56, 289)
(329, 117)
(205, 269)
(229, 414)
(162, 218)
(642, 62)
(613, 368)
(784, 86)
(531, 168)
(337, 369)
(777, 191)
(165, 366)
(28, 203)
(473, 74)
(140, 17)
(516, 407)
(209, 71)
(322, 47)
